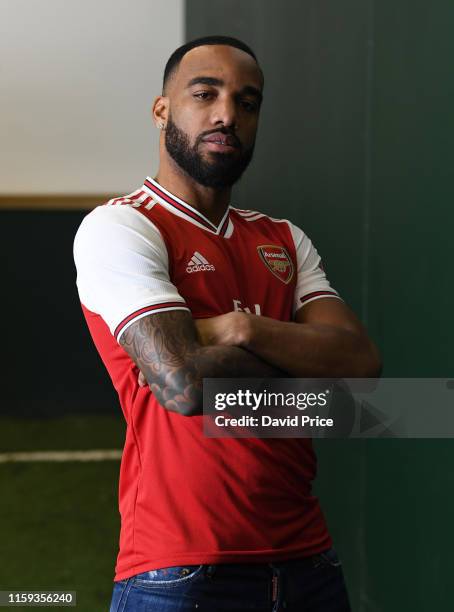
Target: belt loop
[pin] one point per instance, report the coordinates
(274, 587)
(277, 588)
(275, 591)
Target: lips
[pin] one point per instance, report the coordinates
(221, 139)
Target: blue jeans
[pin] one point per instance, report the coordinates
(309, 584)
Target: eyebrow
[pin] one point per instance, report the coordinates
(204, 80)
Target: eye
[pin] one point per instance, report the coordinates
(202, 95)
(249, 106)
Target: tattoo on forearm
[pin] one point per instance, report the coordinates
(160, 344)
(164, 346)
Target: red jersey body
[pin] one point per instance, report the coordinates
(185, 498)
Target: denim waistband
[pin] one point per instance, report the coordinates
(328, 556)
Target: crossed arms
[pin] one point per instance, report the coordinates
(174, 353)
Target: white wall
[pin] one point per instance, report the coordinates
(77, 80)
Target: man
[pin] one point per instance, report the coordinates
(177, 286)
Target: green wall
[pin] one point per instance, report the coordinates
(50, 367)
(355, 145)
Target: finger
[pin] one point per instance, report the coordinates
(142, 380)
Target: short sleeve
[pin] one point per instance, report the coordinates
(122, 267)
(311, 283)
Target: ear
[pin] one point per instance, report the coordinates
(160, 111)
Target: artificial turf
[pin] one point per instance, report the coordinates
(59, 522)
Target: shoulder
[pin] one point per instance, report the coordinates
(116, 215)
(252, 216)
(255, 215)
(114, 228)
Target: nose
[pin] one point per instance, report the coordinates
(225, 111)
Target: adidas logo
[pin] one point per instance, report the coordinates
(198, 263)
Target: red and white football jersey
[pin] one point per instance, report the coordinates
(185, 498)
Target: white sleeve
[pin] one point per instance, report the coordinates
(122, 267)
(311, 283)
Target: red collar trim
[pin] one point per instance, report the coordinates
(193, 214)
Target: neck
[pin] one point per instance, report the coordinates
(212, 203)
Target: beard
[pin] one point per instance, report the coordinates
(223, 171)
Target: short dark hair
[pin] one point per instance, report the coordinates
(177, 55)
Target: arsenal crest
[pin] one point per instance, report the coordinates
(277, 260)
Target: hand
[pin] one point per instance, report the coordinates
(229, 329)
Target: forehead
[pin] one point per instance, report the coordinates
(221, 61)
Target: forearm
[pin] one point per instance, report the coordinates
(182, 388)
(311, 350)
(175, 364)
